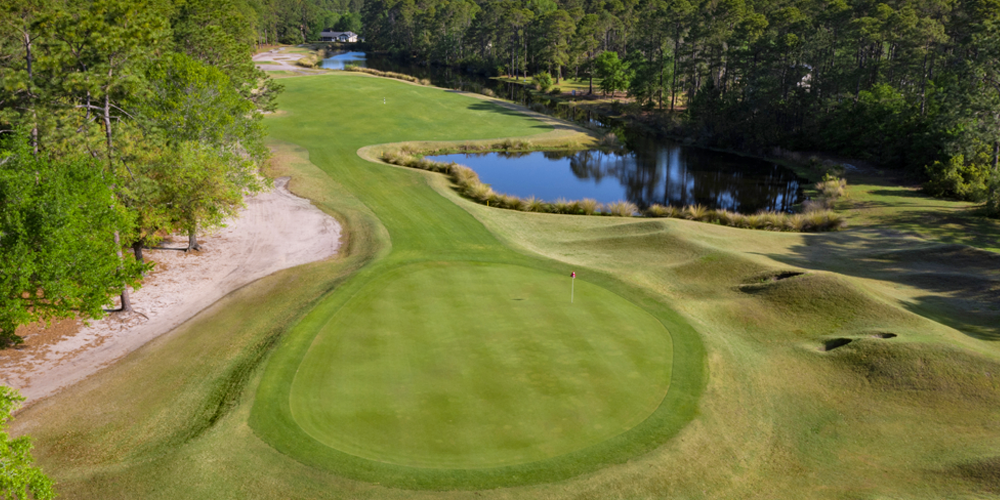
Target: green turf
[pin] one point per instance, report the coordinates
(446, 364)
(424, 226)
(754, 408)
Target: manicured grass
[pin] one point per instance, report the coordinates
(446, 364)
(755, 407)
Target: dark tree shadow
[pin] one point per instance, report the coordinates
(963, 283)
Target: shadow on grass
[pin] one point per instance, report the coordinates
(966, 227)
(898, 193)
(962, 283)
(495, 108)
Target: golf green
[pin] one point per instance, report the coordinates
(476, 365)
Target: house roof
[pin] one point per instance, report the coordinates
(338, 34)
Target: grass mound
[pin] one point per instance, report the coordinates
(985, 473)
(922, 373)
(825, 301)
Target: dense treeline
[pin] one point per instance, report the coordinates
(299, 21)
(911, 84)
(121, 121)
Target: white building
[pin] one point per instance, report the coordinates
(338, 36)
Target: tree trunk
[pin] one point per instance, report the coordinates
(137, 250)
(193, 239)
(673, 77)
(31, 95)
(126, 301)
(996, 156)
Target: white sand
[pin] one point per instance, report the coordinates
(281, 61)
(277, 230)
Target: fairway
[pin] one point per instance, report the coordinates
(439, 357)
(469, 365)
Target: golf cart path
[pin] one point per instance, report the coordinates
(277, 230)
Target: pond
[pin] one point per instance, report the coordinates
(658, 172)
(342, 59)
(649, 170)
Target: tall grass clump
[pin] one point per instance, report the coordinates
(830, 189)
(657, 210)
(621, 208)
(312, 60)
(589, 206)
(727, 218)
(479, 191)
(533, 204)
(562, 206)
(695, 212)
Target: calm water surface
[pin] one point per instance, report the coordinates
(656, 172)
(341, 59)
(649, 169)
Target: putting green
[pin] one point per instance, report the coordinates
(475, 365)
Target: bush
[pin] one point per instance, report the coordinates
(958, 178)
(832, 187)
(543, 81)
(993, 197)
(555, 91)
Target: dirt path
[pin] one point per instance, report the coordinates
(276, 231)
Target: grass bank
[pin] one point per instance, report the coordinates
(803, 391)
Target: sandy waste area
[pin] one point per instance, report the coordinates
(276, 230)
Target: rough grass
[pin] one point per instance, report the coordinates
(912, 416)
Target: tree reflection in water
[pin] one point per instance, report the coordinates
(651, 171)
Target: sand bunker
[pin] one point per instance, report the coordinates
(277, 230)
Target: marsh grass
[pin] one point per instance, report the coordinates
(589, 206)
(695, 212)
(468, 183)
(312, 60)
(533, 204)
(622, 208)
(389, 74)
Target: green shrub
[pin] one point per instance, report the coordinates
(543, 81)
(958, 178)
(555, 91)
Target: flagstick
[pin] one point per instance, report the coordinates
(571, 289)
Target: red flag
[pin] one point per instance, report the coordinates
(572, 275)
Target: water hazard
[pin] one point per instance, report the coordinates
(656, 172)
(648, 170)
(341, 60)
